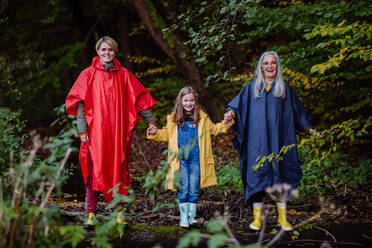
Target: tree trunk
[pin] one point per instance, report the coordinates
(189, 68)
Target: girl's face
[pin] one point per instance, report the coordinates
(269, 67)
(106, 53)
(188, 102)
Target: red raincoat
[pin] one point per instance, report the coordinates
(112, 101)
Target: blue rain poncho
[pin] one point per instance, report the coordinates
(263, 126)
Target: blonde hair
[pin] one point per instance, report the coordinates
(179, 115)
(110, 41)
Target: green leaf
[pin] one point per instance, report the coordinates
(191, 238)
(215, 225)
(217, 240)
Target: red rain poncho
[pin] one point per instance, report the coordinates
(112, 103)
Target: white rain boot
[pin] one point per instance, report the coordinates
(192, 214)
(184, 211)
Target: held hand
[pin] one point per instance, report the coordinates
(84, 138)
(227, 117)
(152, 129)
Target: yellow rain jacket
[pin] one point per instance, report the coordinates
(205, 128)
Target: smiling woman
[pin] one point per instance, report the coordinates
(267, 113)
(108, 101)
(106, 49)
(269, 67)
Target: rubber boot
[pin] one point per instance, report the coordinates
(257, 209)
(184, 211)
(89, 225)
(120, 220)
(282, 218)
(192, 214)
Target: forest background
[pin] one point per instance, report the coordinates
(325, 48)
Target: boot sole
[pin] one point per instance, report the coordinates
(254, 227)
(285, 228)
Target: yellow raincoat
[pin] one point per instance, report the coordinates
(205, 128)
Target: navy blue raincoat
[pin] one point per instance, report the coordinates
(263, 126)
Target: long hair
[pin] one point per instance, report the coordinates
(179, 115)
(259, 85)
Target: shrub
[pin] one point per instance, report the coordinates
(10, 140)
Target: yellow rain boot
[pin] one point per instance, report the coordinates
(120, 219)
(282, 218)
(257, 209)
(89, 225)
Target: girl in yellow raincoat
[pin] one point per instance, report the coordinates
(188, 132)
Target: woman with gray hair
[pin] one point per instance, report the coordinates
(267, 113)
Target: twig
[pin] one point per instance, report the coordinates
(4, 6)
(231, 235)
(333, 237)
(143, 155)
(62, 164)
(276, 237)
(18, 189)
(161, 216)
(263, 220)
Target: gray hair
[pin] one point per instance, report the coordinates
(259, 85)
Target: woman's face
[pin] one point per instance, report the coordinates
(106, 53)
(269, 67)
(188, 102)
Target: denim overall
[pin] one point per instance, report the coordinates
(189, 165)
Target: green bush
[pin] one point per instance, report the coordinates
(10, 138)
(332, 175)
(229, 178)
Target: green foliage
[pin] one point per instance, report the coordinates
(32, 83)
(107, 228)
(192, 238)
(217, 236)
(352, 42)
(26, 188)
(339, 137)
(155, 184)
(270, 158)
(229, 178)
(331, 162)
(59, 144)
(334, 175)
(23, 196)
(326, 58)
(10, 137)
